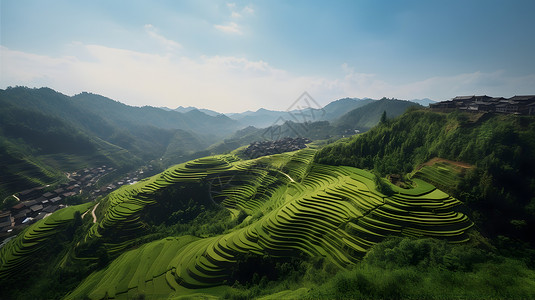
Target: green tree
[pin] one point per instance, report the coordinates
(383, 117)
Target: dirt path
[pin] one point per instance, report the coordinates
(291, 179)
(92, 213)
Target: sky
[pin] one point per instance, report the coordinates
(233, 56)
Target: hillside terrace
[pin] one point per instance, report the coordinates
(519, 105)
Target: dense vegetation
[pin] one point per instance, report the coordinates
(44, 133)
(305, 224)
(499, 190)
(369, 116)
(227, 215)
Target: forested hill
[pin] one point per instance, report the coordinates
(500, 189)
(367, 116)
(44, 133)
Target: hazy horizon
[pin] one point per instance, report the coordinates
(244, 55)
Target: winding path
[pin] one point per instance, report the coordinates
(92, 213)
(291, 179)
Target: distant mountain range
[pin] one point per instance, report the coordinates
(44, 133)
(183, 109)
(263, 118)
(424, 101)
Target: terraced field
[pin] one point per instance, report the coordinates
(442, 174)
(21, 252)
(334, 212)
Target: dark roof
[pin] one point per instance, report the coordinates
(21, 214)
(36, 207)
(51, 208)
(40, 216)
(463, 97)
(523, 98)
(30, 203)
(58, 191)
(55, 199)
(18, 206)
(48, 194)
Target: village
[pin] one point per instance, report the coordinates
(40, 202)
(519, 105)
(257, 149)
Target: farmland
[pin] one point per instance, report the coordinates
(294, 207)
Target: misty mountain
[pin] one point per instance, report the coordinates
(339, 107)
(44, 133)
(183, 109)
(365, 117)
(423, 102)
(263, 118)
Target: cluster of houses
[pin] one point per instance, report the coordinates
(37, 203)
(130, 178)
(520, 105)
(257, 149)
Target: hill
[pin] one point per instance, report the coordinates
(367, 116)
(45, 133)
(281, 206)
(499, 189)
(35, 148)
(423, 102)
(263, 118)
(338, 108)
(284, 225)
(190, 108)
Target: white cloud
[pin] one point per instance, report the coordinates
(231, 5)
(223, 83)
(235, 15)
(231, 27)
(248, 10)
(169, 45)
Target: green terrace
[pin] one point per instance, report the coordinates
(312, 209)
(22, 251)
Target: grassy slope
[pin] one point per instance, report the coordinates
(301, 207)
(20, 252)
(499, 189)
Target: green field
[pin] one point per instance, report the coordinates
(22, 251)
(301, 208)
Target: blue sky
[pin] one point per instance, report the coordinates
(233, 56)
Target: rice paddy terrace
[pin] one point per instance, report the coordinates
(301, 208)
(21, 252)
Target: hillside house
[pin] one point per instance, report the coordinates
(522, 105)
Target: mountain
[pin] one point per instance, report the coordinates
(190, 108)
(317, 223)
(119, 113)
(495, 152)
(263, 118)
(423, 102)
(337, 108)
(36, 148)
(215, 221)
(45, 133)
(367, 116)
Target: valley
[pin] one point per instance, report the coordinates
(276, 212)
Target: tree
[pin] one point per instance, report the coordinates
(383, 117)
